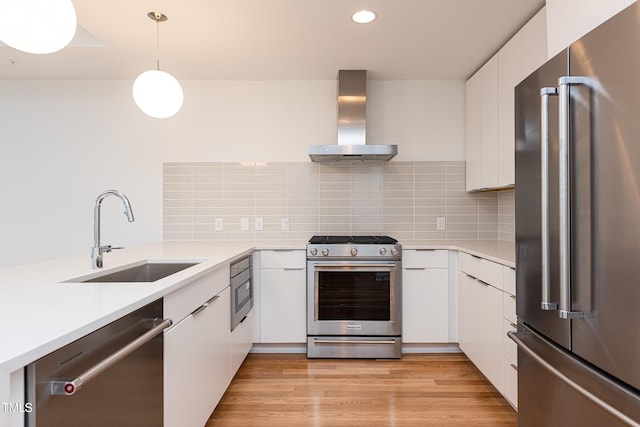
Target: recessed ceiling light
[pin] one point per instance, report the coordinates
(363, 16)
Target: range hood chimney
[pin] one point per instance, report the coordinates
(352, 125)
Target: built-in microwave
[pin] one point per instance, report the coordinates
(241, 290)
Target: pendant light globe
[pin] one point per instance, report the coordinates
(36, 26)
(158, 94)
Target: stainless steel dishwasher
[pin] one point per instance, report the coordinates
(111, 377)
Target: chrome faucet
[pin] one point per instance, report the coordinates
(97, 250)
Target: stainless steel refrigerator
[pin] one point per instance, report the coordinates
(578, 232)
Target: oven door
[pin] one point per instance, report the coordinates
(358, 298)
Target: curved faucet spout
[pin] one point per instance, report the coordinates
(97, 250)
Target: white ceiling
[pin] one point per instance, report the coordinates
(278, 39)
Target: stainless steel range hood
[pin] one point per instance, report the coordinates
(352, 125)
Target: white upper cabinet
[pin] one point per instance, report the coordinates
(482, 127)
(490, 107)
(522, 55)
(568, 20)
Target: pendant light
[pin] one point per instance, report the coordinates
(157, 93)
(37, 26)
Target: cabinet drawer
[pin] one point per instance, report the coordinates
(509, 279)
(511, 383)
(283, 259)
(425, 258)
(241, 342)
(509, 307)
(180, 303)
(480, 268)
(510, 347)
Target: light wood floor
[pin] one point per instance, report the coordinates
(417, 390)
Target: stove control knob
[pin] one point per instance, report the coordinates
(314, 251)
(354, 251)
(383, 251)
(394, 251)
(325, 252)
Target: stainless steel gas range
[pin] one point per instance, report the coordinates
(354, 297)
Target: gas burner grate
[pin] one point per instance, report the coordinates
(364, 240)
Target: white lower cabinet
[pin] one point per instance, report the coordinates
(283, 306)
(486, 313)
(425, 297)
(480, 326)
(197, 355)
(241, 342)
(283, 296)
(510, 347)
(511, 383)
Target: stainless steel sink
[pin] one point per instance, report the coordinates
(148, 271)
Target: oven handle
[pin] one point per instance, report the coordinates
(353, 266)
(318, 341)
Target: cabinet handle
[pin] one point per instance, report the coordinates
(514, 367)
(212, 300)
(67, 388)
(481, 282)
(415, 268)
(293, 269)
(425, 250)
(205, 305)
(513, 325)
(199, 310)
(475, 279)
(545, 93)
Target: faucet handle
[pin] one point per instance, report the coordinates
(108, 248)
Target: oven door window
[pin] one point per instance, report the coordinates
(242, 295)
(354, 295)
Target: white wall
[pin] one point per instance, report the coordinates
(63, 142)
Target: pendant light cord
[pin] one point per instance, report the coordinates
(158, 44)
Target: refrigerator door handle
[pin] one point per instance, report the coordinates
(564, 154)
(586, 393)
(545, 93)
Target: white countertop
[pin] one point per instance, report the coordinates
(38, 314)
(499, 251)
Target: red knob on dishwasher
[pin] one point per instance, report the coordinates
(69, 388)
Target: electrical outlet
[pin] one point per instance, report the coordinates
(244, 224)
(285, 223)
(259, 224)
(219, 224)
(441, 224)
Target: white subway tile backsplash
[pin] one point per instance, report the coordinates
(401, 199)
(506, 215)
